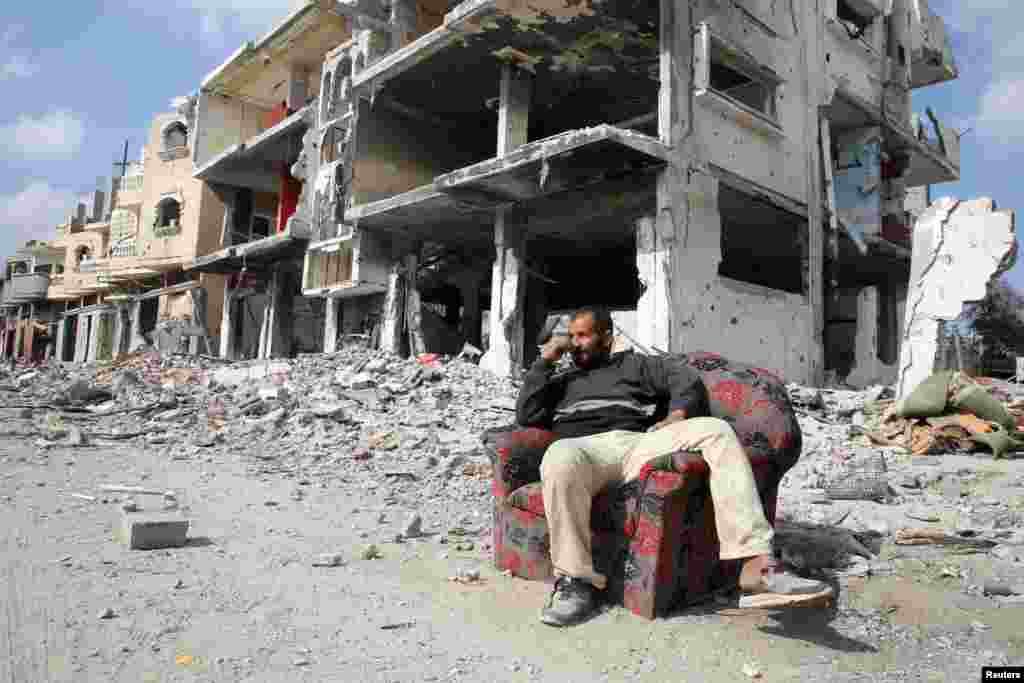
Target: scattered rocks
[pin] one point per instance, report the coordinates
(466, 576)
(330, 560)
(414, 527)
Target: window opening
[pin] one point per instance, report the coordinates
(727, 77)
(760, 242)
(855, 24)
(168, 213)
(175, 137)
(261, 226)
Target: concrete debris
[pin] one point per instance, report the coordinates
(152, 531)
(414, 527)
(329, 560)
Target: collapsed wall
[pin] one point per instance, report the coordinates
(959, 248)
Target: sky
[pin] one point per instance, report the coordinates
(82, 81)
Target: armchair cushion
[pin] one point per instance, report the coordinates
(755, 402)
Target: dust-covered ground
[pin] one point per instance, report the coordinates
(243, 601)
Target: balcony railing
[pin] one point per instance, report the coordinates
(130, 183)
(29, 286)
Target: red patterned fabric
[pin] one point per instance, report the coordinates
(654, 538)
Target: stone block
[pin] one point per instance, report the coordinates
(153, 530)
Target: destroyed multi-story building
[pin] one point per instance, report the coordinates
(726, 176)
(252, 113)
(27, 320)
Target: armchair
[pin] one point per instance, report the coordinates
(654, 537)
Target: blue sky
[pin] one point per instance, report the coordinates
(80, 81)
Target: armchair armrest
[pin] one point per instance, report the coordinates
(515, 453)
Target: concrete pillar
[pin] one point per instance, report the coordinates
(62, 333)
(865, 365)
(413, 306)
(94, 337)
(508, 278)
(81, 323)
(19, 332)
(654, 262)
(120, 324)
(332, 308)
(508, 292)
(227, 324)
(271, 313)
(135, 338)
(394, 307)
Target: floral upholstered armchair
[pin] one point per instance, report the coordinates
(654, 537)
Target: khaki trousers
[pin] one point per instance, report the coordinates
(575, 470)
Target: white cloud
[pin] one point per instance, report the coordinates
(999, 111)
(17, 66)
(55, 136)
(249, 15)
(32, 213)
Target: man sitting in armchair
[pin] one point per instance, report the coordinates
(603, 412)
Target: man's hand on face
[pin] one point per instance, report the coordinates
(673, 417)
(555, 348)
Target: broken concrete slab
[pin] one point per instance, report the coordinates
(959, 247)
(153, 530)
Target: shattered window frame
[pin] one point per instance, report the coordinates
(715, 59)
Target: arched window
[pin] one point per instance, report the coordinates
(82, 255)
(20, 268)
(175, 136)
(168, 213)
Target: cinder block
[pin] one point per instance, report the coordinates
(151, 530)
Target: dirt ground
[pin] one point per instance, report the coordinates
(242, 602)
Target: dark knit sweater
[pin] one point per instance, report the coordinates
(628, 392)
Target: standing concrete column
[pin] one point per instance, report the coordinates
(332, 309)
(508, 281)
(135, 338)
(19, 333)
(277, 317)
(392, 322)
(653, 262)
(227, 324)
(117, 343)
(94, 337)
(62, 333)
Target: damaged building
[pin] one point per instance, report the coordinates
(253, 113)
(727, 176)
(27, 318)
(123, 283)
(724, 175)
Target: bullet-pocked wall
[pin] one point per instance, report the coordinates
(764, 325)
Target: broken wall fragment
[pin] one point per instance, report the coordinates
(959, 247)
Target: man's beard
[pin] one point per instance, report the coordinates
(588, 359)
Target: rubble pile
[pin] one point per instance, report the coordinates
(402, 436)
(404, 430)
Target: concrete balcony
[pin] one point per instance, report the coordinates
(931, 54)
(29, 287)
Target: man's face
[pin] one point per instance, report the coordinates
(589, 347)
